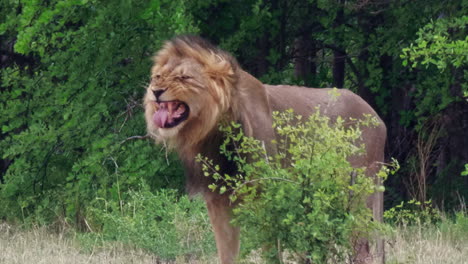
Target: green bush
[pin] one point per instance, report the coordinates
(300, 200)
(165, 223)
(412, 212)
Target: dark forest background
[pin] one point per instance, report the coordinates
(73, 74)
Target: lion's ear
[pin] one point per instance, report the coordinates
(254, 111)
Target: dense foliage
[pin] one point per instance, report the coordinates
(73, 74)
(72, 98)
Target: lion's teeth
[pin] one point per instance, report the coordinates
(170, 106)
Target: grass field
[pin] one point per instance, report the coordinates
(445, 243)
(38, 245)
(41, 246)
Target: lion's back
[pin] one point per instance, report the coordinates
(304, 101)
(331, 102)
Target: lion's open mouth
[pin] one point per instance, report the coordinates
(170, 114)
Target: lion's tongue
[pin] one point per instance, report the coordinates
(160, 117)
(165, 114)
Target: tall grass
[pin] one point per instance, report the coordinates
(146, 227)
(41, 245)
(443, 242)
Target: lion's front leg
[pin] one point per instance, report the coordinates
(226, 235)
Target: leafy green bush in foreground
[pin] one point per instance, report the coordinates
(306, 204)
(162, 222)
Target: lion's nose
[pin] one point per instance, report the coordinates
(158, 93)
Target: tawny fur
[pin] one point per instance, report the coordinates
(213, 85)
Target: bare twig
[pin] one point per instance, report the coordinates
(135, 137)
(425, 145)
(266, 154)
(88, 226)
(165, 151)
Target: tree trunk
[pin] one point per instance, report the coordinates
(339, 56)
(338, 69)
(305, 53)
(262, 62)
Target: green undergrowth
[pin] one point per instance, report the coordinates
(164, 223)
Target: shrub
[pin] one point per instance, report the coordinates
(412, 212)
(300, 200)
(164, 223)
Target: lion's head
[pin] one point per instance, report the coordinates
(191, 87)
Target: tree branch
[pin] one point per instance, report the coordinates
(135, 137)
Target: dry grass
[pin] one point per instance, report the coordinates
(427, 245)
(408, 245)
(40, 246)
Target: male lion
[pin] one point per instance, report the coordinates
(194, 85)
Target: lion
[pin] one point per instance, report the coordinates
(195, 85)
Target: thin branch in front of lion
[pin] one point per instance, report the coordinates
(152, 134)
(209, 166)
(236, 148)
(352, 181)
(165, 153)
(134, 137)
(384, 163)
(165, 148)
(265, 152)
(262, 179)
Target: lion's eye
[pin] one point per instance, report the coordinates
(155, 78)
(185, 77)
